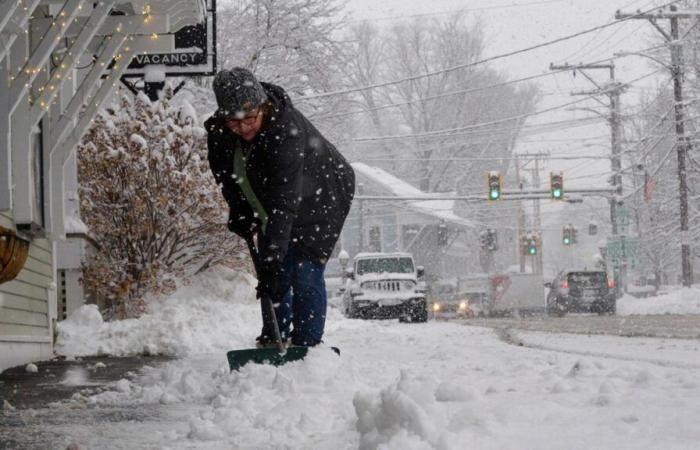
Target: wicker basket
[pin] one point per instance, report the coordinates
(13, 254)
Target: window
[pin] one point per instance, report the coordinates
(381, 265)
(38, 175)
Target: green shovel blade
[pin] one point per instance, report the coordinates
(239, 358)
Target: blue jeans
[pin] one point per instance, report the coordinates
(303, 302)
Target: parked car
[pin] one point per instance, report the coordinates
(385, 286)
(581, 291)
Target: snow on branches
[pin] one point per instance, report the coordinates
(149, 199)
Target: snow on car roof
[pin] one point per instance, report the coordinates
(366, 255)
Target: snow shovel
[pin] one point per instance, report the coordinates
(275, 356)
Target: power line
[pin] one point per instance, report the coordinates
(499, 121)
(571, 55)
(481, 61)
(469, 91)
(525, 130)
(454, 11)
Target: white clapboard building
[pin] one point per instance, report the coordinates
(60, 61)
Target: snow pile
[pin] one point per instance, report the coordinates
(240, 409)
(412, 413)
(678, 301)
(204, 316)
(395, 386)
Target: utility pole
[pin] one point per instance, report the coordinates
(361, 219)
(684, 144)
(538, 217)
(521, 218)
(613, 91)
(537, 264)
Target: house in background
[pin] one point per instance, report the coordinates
(428, 228)
(60, 60)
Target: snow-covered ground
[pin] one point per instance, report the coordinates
(397, 386)
(674, 301)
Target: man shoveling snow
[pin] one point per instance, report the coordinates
(289, 191)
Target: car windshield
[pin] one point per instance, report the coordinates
(379, 265)
(588, 279)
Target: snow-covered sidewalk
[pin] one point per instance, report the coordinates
(399, 386)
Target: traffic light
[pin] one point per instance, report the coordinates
(442, 235)
(567, 235)
(532, 247)
(494, 181)
(556, 185)
(574, 234)
(493, 240)
(489, 240)
(528, 243)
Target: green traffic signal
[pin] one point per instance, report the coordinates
(556, 185)
(494, 182)
(567, 241)
(532, 250)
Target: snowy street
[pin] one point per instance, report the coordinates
(435, 385)
(350, 224)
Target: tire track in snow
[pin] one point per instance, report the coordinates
(509, 336)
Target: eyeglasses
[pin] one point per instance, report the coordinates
(247, 120)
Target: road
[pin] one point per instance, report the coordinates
(494, 383)
(661, 326)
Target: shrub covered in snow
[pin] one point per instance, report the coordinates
(148, 197)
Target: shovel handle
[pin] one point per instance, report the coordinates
(266, 298)
(275, 326)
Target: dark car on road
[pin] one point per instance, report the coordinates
(579, 291)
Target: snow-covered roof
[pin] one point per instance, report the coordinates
(440, 209)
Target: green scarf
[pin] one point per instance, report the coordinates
(242, 179)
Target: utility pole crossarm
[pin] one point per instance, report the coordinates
(553, 66)
(661, 14)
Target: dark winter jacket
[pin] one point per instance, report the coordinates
(304, 184)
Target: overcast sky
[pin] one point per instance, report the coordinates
(516, 24)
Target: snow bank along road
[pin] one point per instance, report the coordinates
(398, 386)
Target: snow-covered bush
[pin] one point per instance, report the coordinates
(150, 202)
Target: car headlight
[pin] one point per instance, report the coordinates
(463, 306)
(408, 285)
(436, 307)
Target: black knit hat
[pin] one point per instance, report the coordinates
(237, 92)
